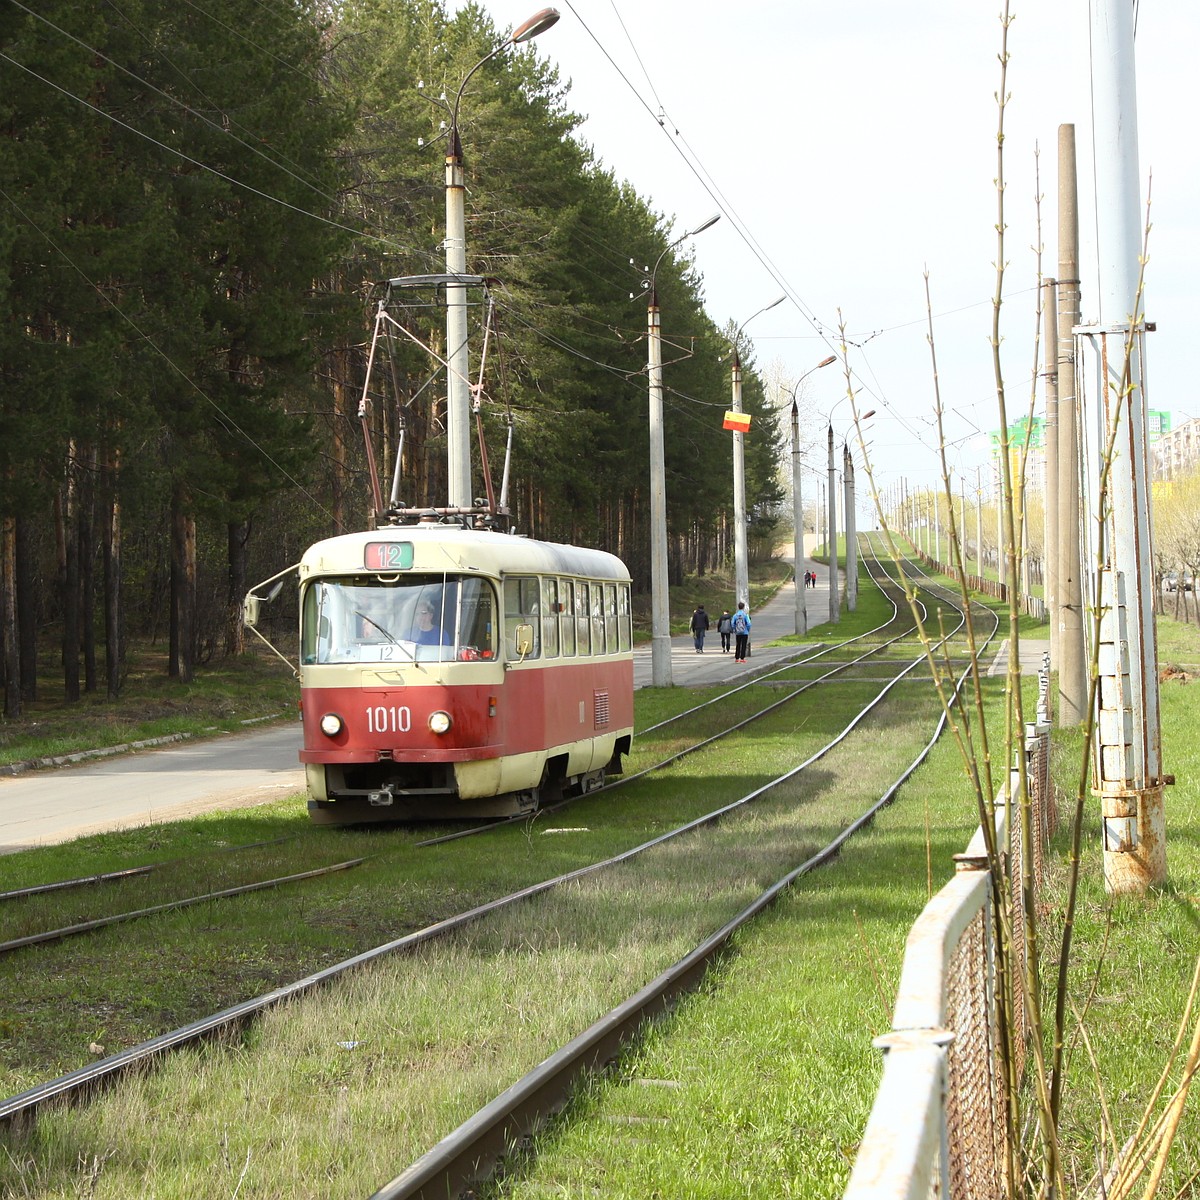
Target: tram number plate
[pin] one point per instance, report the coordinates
(383, 718)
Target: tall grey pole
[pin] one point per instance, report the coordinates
(741, 557)
(835, 608)
(1072, 670)
(1128, 732)
(458, 367)
(660, 595)
(1050, 483)
(851, 530)
(660, 584)
(1001, 549)
(978, 526)
(798, 522)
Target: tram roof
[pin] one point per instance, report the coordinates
(455, 548)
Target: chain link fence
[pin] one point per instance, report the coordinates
(938, 1126)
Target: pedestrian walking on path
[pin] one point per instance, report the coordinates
(725, 629)
(741, 629)
(699, 628)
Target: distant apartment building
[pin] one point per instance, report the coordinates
(1026, 435)
(1177, 451)
(1172, 450)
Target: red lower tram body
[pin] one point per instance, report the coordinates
(514, 738)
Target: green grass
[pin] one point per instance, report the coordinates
(758, 1085)
(338, 1092)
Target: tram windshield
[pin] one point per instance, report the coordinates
(362, 618)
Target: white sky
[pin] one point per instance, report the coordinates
(855, 143)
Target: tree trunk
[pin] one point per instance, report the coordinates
(66, 505)
(183, 588)
(114, 648)
(8, 619)
(27, 608)
(238, 535)
(87, 568)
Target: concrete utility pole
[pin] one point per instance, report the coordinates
(798, 520)
(835, 607)
(851, 529)
(660, 593)
(1072, 660)
(741, 555)
(978, 525)
(1128, 759)
(1050, 483)
(458, 367)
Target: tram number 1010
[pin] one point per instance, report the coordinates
(384, 719)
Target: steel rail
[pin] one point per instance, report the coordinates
(58, 935)
(39, 889)
(85, 1080)
(759, 680)
(467, 1156)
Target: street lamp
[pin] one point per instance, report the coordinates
(458, 374)
(797, 504)
(741, 564)
(660, 596)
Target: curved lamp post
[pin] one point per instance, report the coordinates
(458, 381)
(797, 500)
(741, 563)
(660, 596)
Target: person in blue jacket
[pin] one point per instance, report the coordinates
(741, 629)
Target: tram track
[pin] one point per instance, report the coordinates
(23, 1106)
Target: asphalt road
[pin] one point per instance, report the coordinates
(142, 787)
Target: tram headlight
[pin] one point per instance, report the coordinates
(439, 722)
(331, 724)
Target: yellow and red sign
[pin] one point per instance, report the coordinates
(737, 421)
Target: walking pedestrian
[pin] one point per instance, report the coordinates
(699, 628)
(725, 629)
(741, 629)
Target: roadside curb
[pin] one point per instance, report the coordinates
(67, 760)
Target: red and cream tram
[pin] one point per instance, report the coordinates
(447, 671)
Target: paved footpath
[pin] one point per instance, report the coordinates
(775, 619)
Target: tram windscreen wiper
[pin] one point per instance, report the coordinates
(386, 633)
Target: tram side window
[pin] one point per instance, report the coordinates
(610, 617)
(583, 624)
(478, 621)
(598, 618)
(550, 618)
(566, 616)
(624, 617)
(521, 608)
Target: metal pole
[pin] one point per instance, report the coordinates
(1072, 671)
(851, 529)
(1050, 484)
(1128, 729)
(741, 568)
(660, 596)
(978, 526)
(835, 608)
(798, 521)
(458, 366)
